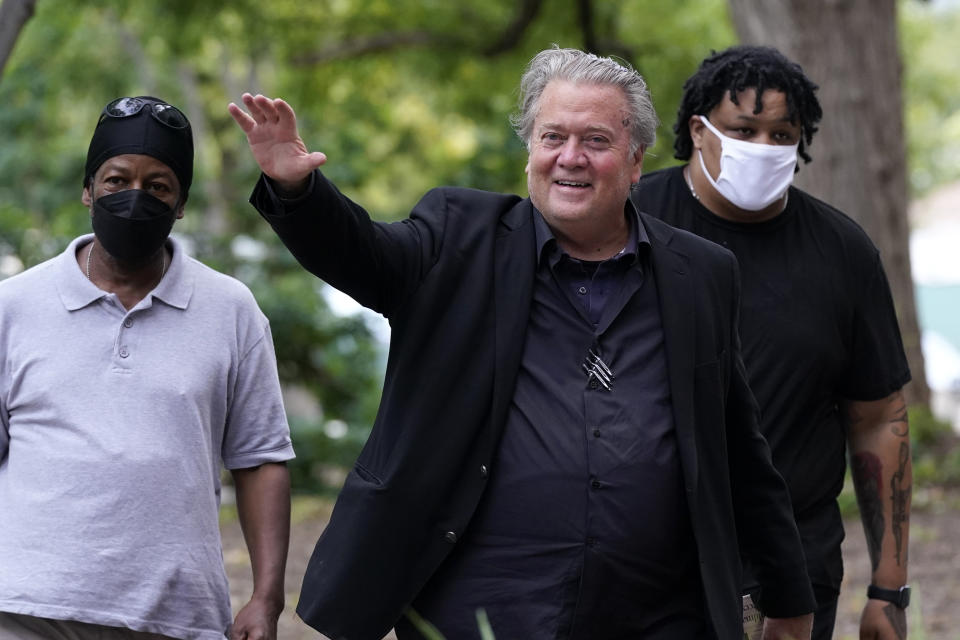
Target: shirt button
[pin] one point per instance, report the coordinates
(128, 323)
(450, 537)
(596, 433)
(593, 383)
(483, 471)
(582, 291)
(123, 352)
(596, 484)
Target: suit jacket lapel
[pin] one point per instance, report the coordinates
(678, 315)
(514, 264)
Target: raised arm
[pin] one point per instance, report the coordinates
(883, 478)
(271, 128)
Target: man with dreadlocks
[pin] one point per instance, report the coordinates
(820, 336)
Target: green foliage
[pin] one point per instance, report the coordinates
(931, 92)
(322, 461)
(430, 632)
(935, 448)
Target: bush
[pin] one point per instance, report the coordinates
(322, 461)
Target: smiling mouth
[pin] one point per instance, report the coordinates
(571, 183)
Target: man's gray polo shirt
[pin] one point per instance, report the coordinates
(113, 428)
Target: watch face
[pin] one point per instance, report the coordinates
(904, 597)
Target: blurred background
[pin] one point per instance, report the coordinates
(404, 95)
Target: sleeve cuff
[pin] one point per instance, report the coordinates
(266, 199)
(787, 599)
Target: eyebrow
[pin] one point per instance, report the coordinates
(590, 128)
(749, 117)
(122, 166)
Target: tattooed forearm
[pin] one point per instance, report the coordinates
(867, 478)
(900, 495)
(899, 422)
(898, 620)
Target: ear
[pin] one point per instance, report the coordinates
(696, 131)
(637, 169)
(86, 198)
(180, 211)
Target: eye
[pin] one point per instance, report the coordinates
(552, 140)
(160, 187)
(784, 137)
(598, 142)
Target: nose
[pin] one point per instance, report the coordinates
(571, 154)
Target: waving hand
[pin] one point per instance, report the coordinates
(271, 128)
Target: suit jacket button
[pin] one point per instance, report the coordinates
(483, 471)
(450, 537)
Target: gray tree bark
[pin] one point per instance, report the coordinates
(13, 15)
(850, 48)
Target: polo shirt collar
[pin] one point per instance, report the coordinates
(76, 292)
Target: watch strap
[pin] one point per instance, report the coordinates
(899, 597)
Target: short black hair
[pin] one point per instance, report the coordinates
(747, 67)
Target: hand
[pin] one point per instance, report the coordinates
(257, 620)
(883, 621)
(271, 128)
(798, 628)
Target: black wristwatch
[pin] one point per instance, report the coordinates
(899, 597)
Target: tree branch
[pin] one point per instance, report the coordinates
(373, 44)
(585, 12)
(13, 15)
(527, 12)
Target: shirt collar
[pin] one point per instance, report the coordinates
(638, 243)
(76, 292)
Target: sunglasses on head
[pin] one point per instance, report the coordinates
(165, 114)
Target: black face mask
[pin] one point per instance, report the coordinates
(132, 225)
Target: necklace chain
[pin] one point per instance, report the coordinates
(689, 181)
(163, 263)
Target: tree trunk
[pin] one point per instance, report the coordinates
(850, 48)
(13, 15)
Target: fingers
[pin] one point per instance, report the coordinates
(284, 112)
(261, 110)
(240, 116)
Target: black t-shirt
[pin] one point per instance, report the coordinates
(817, 324)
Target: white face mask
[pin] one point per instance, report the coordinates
(752, 176)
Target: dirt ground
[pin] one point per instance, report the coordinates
(934, 568)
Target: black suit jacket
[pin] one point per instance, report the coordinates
(455, 279)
